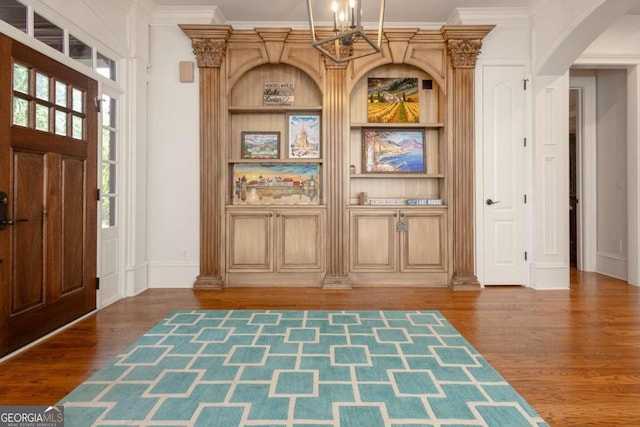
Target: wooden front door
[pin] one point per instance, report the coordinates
(48, 142)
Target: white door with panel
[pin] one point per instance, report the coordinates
(503, 151)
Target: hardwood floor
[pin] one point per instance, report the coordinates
(573, 355)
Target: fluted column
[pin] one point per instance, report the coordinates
(209, 47)
(463, 47)
(336, 167)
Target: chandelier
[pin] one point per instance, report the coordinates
(346, 40)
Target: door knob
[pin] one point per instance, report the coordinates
(492, 202)
(4, 221)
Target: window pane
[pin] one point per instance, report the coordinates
(20, 111)
(61, 123)
(42, 117)
(61, 94)
(108, 212)
(47, 33)
(77, 100)
(108, 145)
(14, 13)
(42, 86)
(20, 78)
(77, 127)
(106, 66)
(108, 111)
(79, 51)
(108, 178)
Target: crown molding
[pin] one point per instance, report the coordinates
(504, 17)
(197, 15)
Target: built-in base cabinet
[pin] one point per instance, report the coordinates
(398, 246)
(289, 243)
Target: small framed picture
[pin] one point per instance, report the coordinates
(260, 145)
(393, 151)
(303, 131)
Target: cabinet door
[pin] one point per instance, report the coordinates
(250, 241)
(373, 240)
(300, 235)
(423, 244)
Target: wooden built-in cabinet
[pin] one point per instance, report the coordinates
(339, 223)
(398, 246)
(287, 243)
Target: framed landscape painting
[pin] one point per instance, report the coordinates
(393, 100)
(260, 145)
(393, 151)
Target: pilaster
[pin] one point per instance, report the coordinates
(463, 47)
(336, 107)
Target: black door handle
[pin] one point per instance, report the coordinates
(492, 202)
(4, 204)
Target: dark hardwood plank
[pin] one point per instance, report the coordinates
(574, 355)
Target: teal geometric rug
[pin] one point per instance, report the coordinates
(231, 368)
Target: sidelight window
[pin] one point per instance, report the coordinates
(109, 161)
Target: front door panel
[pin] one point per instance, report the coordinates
(48, 172)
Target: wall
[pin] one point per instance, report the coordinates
(612, 172)
(173, 160)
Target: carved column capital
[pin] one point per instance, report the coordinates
(464, 52)
(209, 53)
(345, 50)
(464, 43)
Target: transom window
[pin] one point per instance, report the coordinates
(19, 16)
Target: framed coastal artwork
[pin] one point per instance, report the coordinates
(388, 150)
(303, 135)
(393, 100)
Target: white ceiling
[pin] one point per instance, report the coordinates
(396, 11)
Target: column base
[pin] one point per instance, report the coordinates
(465, 282)
(212, 283)
(333, 281)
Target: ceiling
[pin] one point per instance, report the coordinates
(396, 11)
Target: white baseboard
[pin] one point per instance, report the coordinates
(173, 274)
(612, 265)
(137, 279)
(550, 277)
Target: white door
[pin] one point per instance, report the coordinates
(503, 204)
(109, 262)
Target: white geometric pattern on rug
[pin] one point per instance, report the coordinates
(298, 369)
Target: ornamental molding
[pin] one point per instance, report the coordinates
(464, 53)
(209, 53)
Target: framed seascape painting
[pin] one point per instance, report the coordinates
(260, 145)
(393, 100)
(276, 183)
(393, 151)
(303, 130)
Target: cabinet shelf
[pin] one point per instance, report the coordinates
(278, 161)
(397, 207)
(266, 109)
(396, 175)
(398, 125)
